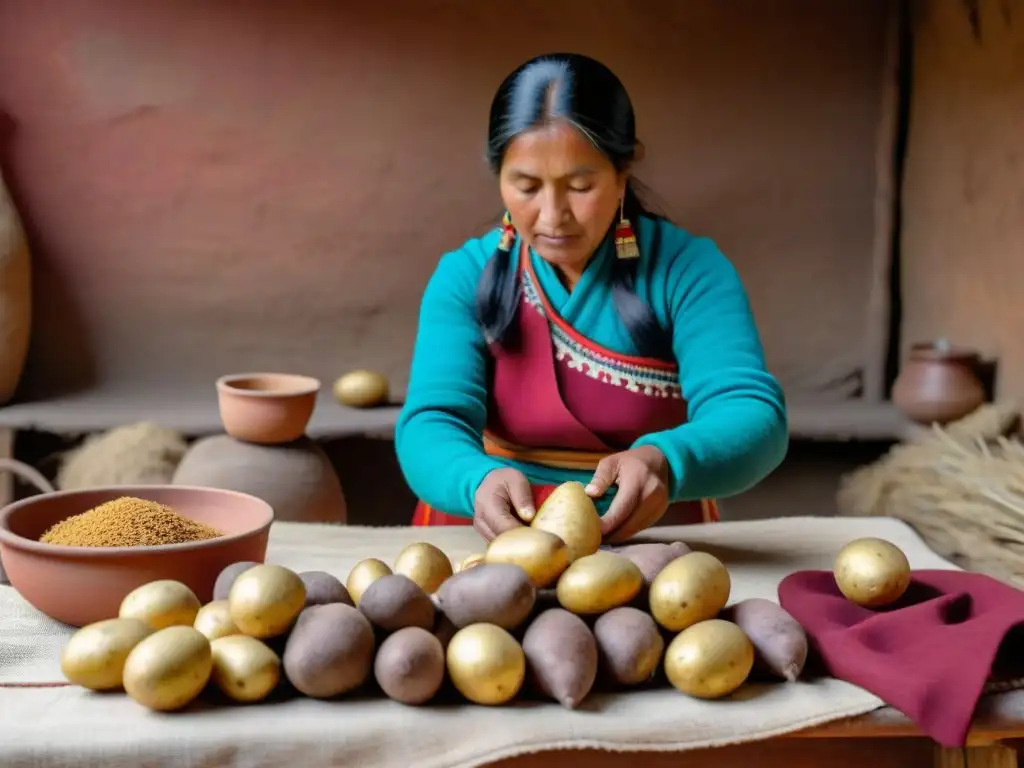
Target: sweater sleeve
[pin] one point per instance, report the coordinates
(438, 437)
(737, 431)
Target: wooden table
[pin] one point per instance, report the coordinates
(997, 722)
(884, 738)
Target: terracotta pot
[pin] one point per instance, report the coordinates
(30, 475)
(80, 585)
(266, 408)
(938, 383)
(15, 297)
(296, 479)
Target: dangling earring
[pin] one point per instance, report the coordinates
(508, 234)
(625, 238)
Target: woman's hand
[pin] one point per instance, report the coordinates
(504, 500)
(642, 496)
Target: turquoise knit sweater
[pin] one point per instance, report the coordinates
(736, 433)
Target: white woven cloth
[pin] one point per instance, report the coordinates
(46, 726)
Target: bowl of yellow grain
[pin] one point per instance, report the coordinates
(74, 555)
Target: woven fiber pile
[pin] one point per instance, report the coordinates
(960, 486)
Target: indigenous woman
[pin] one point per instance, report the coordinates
(585, 339)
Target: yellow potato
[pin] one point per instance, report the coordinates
(244, 668)
(160, 604)
(872, 572)
(363, 574)
(571, 515)
(361, 389)
(599, 582)
(486, 664)
(471, 561)
(214, 620)
(95, 655)
(425, 564)
(544, 556)
(692, 588)
(709, 660)
(265, 600)
(168, 669)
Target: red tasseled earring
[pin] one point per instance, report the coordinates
(508, 233)
(625, 237)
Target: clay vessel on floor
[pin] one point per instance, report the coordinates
(296, 479)
(938, 383)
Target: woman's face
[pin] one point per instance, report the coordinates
(562, 194)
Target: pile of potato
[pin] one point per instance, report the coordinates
(545, 604)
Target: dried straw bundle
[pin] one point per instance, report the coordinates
(960, 486)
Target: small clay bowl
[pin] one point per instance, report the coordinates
(266, 408)
(80, 585)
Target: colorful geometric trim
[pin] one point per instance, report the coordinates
(653, 378)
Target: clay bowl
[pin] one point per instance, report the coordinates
(266, 408)
(80, 585)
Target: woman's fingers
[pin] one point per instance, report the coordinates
(604, 477)
(628, 530)
(499, 516)
(502, 492)
(624, 504)
(520, 494)
(481, 527)
(512, 493)
(651, 505)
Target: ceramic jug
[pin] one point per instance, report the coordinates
(938, 383)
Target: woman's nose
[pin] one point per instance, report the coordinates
(554, 209)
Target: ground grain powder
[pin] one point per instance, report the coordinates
(127, 522)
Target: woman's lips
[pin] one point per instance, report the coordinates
(557, 241)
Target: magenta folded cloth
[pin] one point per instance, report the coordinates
(929, 656)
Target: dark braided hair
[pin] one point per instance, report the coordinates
(589, 96)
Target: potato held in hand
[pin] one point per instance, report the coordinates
(95, 655)
(561, 656)
(492, 593)
(629, 646)
(599, 582)
(571, 515)
(168, 669)
(425, 564)
(544, 556)
(709, 660)
(330, 651)
(780, 643)
(872, 572)
(395, 602)
(265, 600)
(486, 664)
(692, 588)
(410, 666)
